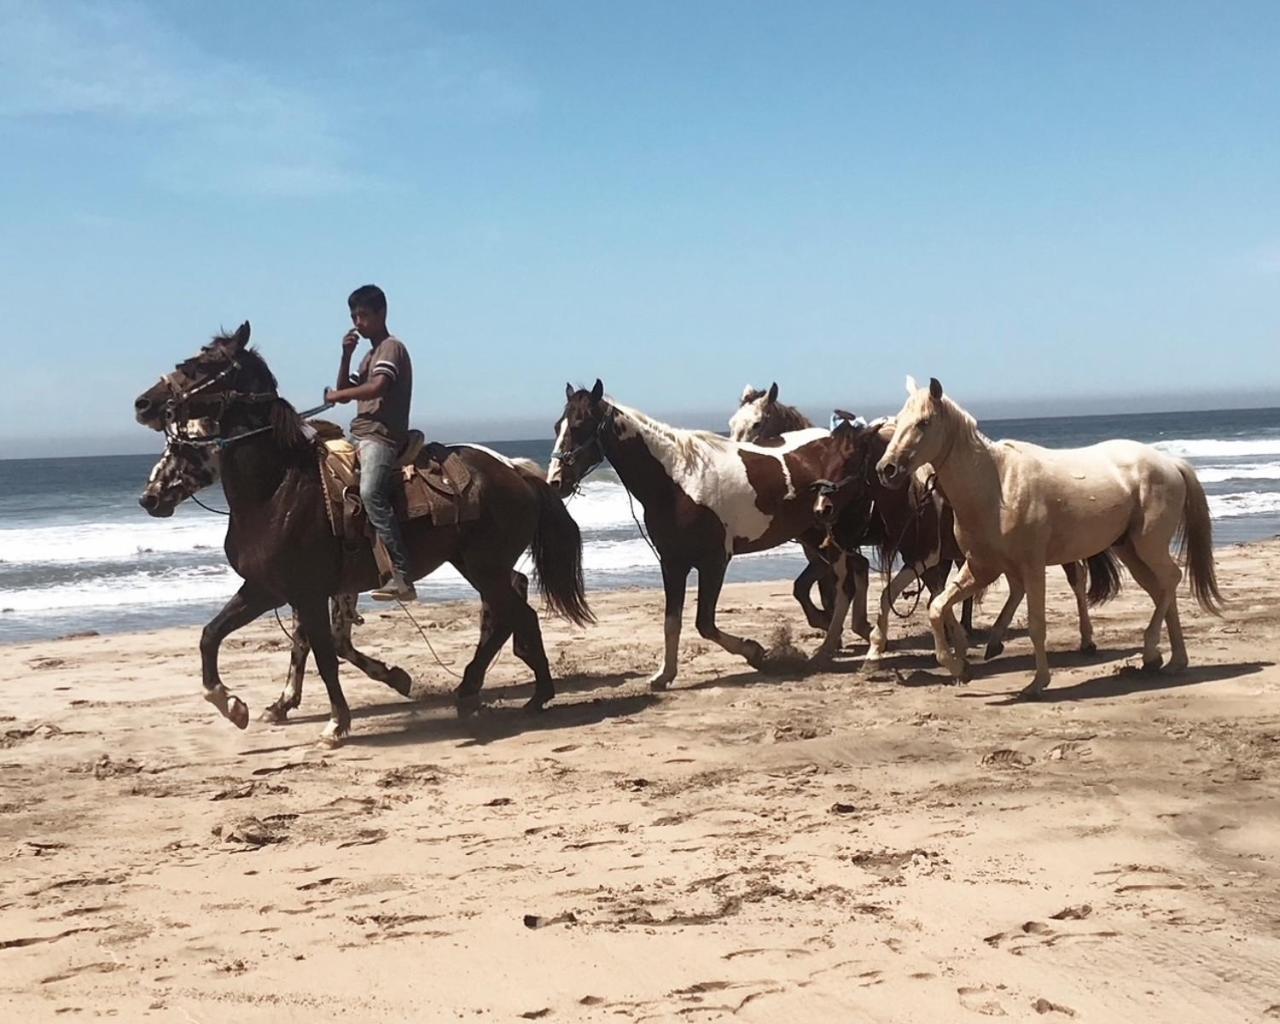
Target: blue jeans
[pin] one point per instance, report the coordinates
(377, 477)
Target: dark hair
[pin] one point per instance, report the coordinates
(368, 296)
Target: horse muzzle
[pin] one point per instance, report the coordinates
(153, 506)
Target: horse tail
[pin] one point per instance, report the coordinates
(1104, 578)
(557, 557)
(1197, 542)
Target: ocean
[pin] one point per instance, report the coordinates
(78, 554)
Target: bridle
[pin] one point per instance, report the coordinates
(594, 441)
(177, 414)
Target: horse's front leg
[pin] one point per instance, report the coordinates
(846, 584)
(675, 580)
(943, 621)
(291, 696)
(817, 571)
(342, 616)
(1033, 580)
(710, 580)
(995, 635)
(246, 605)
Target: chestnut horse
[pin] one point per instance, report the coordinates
(705, 499)
(280, 542)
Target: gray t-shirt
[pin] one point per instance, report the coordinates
(385, 418)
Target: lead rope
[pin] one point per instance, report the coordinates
(930, 486)
(423, 633)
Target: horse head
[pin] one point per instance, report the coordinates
(223, 373)
(923, 432)
(185, 467)
(846, 469)
(578, 447)
(756, 415)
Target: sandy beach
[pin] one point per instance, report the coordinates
(842, 846)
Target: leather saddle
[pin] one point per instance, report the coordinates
(434, 482)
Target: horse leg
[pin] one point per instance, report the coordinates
(891, 592)
(520, 582)
(313, 612)
(675, 580)
(819, 572)
(245, 605)
(861, 571)
(1150, 563)
(846, 584)
(291, 696)
(529, 648)
(342, 616)
(1033, 581)
(944, 625)
(1078, 577)
(710, 580)
(995, 635)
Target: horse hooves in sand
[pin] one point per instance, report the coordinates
(400, 681)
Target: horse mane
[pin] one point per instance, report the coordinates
(690, 446)
(286, 424)
(789, 414)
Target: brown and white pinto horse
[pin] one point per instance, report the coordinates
(705, 499)
(1020, 507)
(915, 523)
(760, 419)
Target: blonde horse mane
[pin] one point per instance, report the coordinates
(690, 446)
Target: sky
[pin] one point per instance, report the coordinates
(1052, 207)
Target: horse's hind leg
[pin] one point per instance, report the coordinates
(342, 616)
(845, 589)
(291, 696)
(1150, 563)
(1033, 581)
(945, 628)
(1078, 576)
(313, 612)
(245, 605)
(710, 580)
(861, 571)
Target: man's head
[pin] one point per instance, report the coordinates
(368, 305)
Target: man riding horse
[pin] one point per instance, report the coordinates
(382, 389)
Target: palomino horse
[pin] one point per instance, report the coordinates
(1020, 507)
(188, 466)
(759, 419)
(280, 542)
(917, 525)
(705, 499)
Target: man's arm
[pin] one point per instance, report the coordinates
(349, 342)
(374, 388)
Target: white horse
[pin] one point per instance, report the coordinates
(1020, 507)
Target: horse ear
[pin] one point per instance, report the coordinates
(912, 386)
(935, 389)
(568, 390)
(597, 392)
(241, 338)
(773, 392)
(749, 394)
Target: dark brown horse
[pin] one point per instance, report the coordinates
(280, 542)
(705, 499)
(761, 419)
(915, 523)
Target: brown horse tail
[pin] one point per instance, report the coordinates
(1104, 578)
(1197, 543)
(557, 556)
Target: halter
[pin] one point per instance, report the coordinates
(570, 457)
(176, 414)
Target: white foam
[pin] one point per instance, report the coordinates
(107, 542)
(1247, 503)
(200, 584)
(1244, 471)
(602, 505)
(1193, 448)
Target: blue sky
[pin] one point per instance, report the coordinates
(1050, 206)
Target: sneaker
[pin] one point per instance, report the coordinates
(395, 589)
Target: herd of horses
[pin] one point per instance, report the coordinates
(924, 487)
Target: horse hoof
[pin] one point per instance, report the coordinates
(274, 714)
(660, 681)
(1089, 648)
(1030, 693)
(238, 712)
(400, 681)
(535, 705)
(467, 705)
(966, 675)
(333, 735)
(994, 650)
(1153, 665)
(756, 658)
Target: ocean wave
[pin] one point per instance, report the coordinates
(105, 542)
(1244, 471)
(1247, 503)
(200, 584)
(1204, 448)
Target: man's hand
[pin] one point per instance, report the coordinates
(350, 340)
(334, 396)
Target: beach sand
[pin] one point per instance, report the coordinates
(838, 847)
